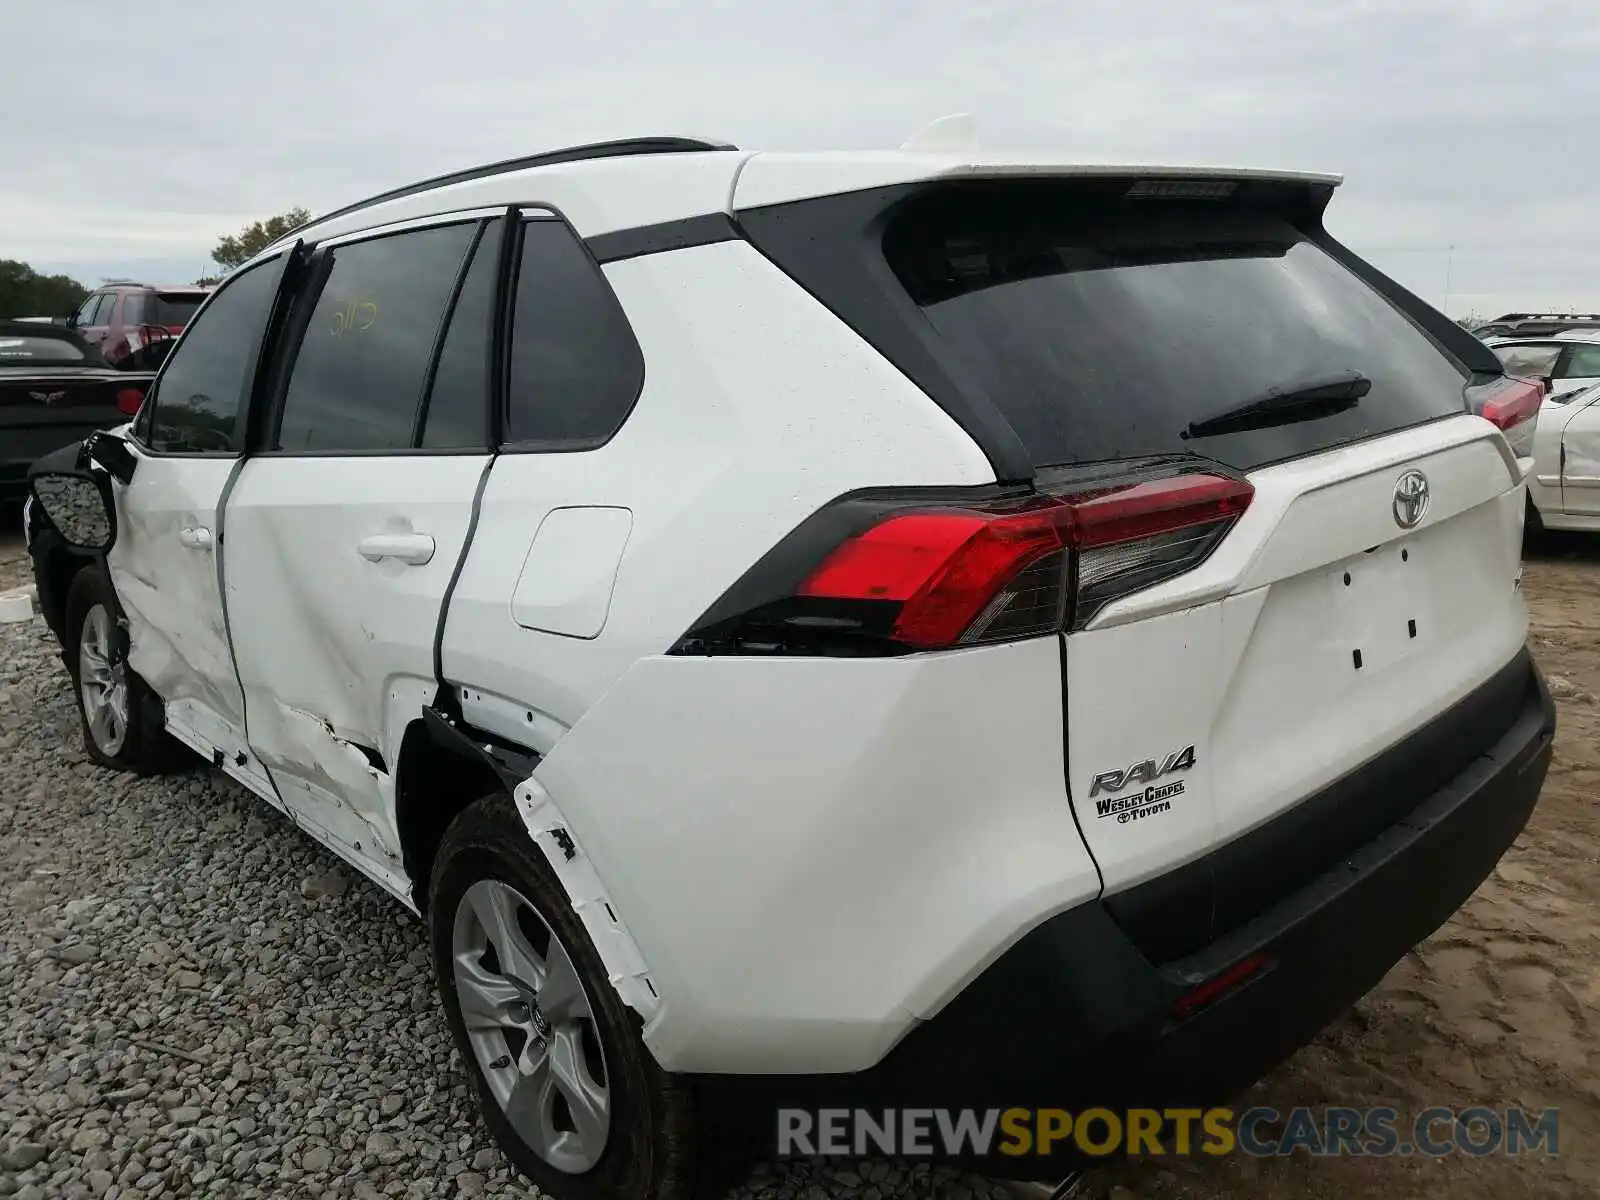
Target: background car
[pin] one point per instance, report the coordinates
(1536, 324)
(134, 321)
(1564, 488)
(54, 389)
(963, 628)
(1567, 362)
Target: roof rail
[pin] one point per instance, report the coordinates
(1546, 317)
(621, 148)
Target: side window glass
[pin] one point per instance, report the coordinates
(457, 414)
(1584, 363)
(92, 308)
(576, 368)
(133, 307)
(199, 395)
(358, 375)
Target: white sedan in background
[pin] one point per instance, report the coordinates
(1564, 489)
(1568, 362)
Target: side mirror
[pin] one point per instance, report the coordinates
(79, 506)
(111, 452)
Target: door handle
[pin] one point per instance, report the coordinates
(196, 537)
(413, 548)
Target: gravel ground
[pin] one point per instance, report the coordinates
(196, 1000)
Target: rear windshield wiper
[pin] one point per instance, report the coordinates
(1285, 406)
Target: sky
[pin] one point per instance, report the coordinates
(133, 137)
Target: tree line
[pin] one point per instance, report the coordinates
(24, 292)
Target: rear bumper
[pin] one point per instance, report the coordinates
(1075, 1015)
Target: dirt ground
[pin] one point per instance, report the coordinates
(1499, 1008)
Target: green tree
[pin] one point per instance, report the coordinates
(235, 251)
(26, 293)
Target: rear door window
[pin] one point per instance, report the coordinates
(358, 378)
(1105, 327)
(457, 416)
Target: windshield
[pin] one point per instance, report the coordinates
(1106, 328)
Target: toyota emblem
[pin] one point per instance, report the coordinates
(1410, 499)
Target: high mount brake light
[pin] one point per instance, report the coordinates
(930, 577)
(129, 400)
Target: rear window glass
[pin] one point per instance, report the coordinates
(27, 351)
(1104, 328)
(173, 311)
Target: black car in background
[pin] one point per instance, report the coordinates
(55, 389)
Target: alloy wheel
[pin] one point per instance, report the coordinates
(531, 1026)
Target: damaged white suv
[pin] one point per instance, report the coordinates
(863, 629)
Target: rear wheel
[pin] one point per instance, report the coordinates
(120, 715)
(565, 1083)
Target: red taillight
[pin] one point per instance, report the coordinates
(1215, 988)
(1121, 514)
(129, 400)
(968, 575)
(1515, 403)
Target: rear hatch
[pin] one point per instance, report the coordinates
(1339, 566)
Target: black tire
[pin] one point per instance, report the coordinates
(649, 1149)
(1533, 524)
(145, 747)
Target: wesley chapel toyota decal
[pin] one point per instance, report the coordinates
(1147, 801)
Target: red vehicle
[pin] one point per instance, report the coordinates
(133, 324)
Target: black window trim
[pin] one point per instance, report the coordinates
(250, 399)
(305, 302)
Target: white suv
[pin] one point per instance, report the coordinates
(920, 628)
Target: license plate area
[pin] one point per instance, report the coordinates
(1383, 607)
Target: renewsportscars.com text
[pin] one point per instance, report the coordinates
(1258, 1132)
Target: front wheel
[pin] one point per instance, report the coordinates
(120, 715)
(565, 1083)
